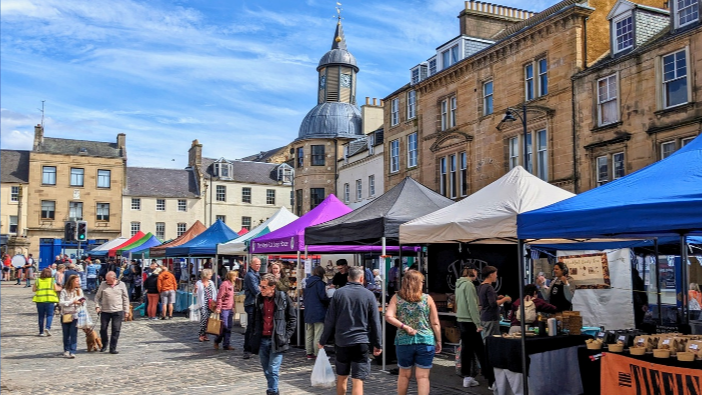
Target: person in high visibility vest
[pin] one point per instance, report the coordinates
(45, 297)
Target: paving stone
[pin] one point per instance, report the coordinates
(161, 357)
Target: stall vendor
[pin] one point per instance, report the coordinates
(562, 289)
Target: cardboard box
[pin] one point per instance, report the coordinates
(452, 334)
(239, 303)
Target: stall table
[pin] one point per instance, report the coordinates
(183, 301)
(552, 364)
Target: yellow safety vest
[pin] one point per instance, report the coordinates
(45, 291)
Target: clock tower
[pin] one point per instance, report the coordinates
(333, 121)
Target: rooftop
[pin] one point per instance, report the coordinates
(14, 166)
(246, 171)
(165, 183)
(53, 145)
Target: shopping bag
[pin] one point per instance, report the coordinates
(83, 318)
(194, 313)
(322, 373)
(214, 325)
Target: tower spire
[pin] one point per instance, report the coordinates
(339, 41)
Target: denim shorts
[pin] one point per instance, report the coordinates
(419, 355)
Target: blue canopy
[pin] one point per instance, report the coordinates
(152, 241)
(205, 243)
(662, 199)
(615, 245)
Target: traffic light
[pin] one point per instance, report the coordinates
(69, 231)
(82, 232)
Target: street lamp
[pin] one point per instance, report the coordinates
(509, 117)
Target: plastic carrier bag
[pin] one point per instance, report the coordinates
(322, 373)
(83, 318)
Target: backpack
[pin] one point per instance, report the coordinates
(529, 311)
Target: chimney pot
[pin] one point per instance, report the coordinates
(367, 100)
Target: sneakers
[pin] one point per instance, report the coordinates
(42, 335)
(470, 382)
(492, 387)
(71, 356)
(66, 354)
(247, 355)
(311, 356)
(47, 331)
(228, 348)
(114, 352)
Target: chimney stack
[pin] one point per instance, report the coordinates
(38, 136)
(195, 154)
(484, 20)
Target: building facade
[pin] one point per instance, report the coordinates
(445, 128)
(14, 179)
(641, 102)
(361, 170)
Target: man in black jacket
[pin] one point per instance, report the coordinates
(274, 320)
(353, 318)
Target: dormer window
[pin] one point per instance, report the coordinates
(371, 144)
(223, 169)
(449, 56)
(415, 75)
(686, 12)
(285, 174)
(624, 30)
(432, 66)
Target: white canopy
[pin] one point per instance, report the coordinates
(237, 246)
(110, 244)
(488, 216)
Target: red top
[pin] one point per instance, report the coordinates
(7, 261)
(225, 296)
(268, 309)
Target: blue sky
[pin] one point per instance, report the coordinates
(239, 76)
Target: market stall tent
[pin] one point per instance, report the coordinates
(662, 199)
(137, 236)
(239, 245)
(242, 232)
(191, 233)
(104, 248)
(204, 244)
(151, 241)
(380, 218)
(124, 251)
(487, 216)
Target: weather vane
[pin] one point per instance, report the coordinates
(338, 11)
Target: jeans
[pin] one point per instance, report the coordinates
(313, 332)
(130, 290)
(270, 362)
(92, 284)
(152, 304)
(116, 319)
(70, 336)
(224, 338)
(45, 310)
(249, 327)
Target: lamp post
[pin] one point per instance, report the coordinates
(509, 117)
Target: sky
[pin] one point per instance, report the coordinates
(237, 75)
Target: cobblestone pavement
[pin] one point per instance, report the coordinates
(160, 357)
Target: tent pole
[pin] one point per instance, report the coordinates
(685, 284)
(525, 372)
(658, 281)
(384, 291)
(300, 276)
(215, 267)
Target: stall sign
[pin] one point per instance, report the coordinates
(589, 271)
(622, 375)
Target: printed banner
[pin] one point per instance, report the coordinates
(627, 376)
(589, 271)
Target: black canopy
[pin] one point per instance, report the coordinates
(379, 218)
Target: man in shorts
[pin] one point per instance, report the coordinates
(354, 320)
(167, 287)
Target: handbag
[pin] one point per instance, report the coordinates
(66, 318)
(214, 325)
(212, 305)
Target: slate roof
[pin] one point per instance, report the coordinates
(52, 145)
(358, 146)
(262, 156)
(165, 183)
(538, 18)
(14, 166)
(246, 171)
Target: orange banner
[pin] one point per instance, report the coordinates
(628, 376)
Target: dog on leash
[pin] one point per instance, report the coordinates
(92, 339)
(130, 316)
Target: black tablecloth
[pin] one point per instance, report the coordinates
(506, 353)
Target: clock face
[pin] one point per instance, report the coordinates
(322, 81)
(345, 81)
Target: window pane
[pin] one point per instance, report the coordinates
(103, 179)
(246, 222)
(318, 155)
(688, 11)
(161, 230)
(270, 196)
(487, 102)
(135, 227)
(602, 170)
(411, 105)
(543, 77)
(371, 185)
(246, 195)
(676, 92)
(542, 156)
(394, 111)
(75, 210)
(394, 156)
(452, 175)
(316, 197)
(359, 190)
(300, 156)
(181, 228)
(412, 150)
(160, 204)
(464, 174)
(442, 176)
(221, 193)
(667, 149)
(529, 81)
(103, 211)
(136, 204)
(182, 205)
(618, 165)
(49, 175)
(77, 177)
(529, 165)
(48, 209)
(625, 34)
(347, 192)
(513, 152)
(222, 218)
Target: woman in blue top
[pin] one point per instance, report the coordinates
(419, 336)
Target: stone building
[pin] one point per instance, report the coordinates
(445, 128)
(14, 178)
(74, 180)
(361, 170)
(640, 102)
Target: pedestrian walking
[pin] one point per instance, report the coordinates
(225, 307)
(152, 294)
(167, 287)
(45, 289)
(418, 336)
(490, 303)
(251, 290)
(6, 267)
(274, 321)
(206, 292)
(276, 269)
(112, 303)
(468, 318)
(28, 271)
(71, 300)
(354, 320)
(60, 274)
(316, 303)
(91, 274)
